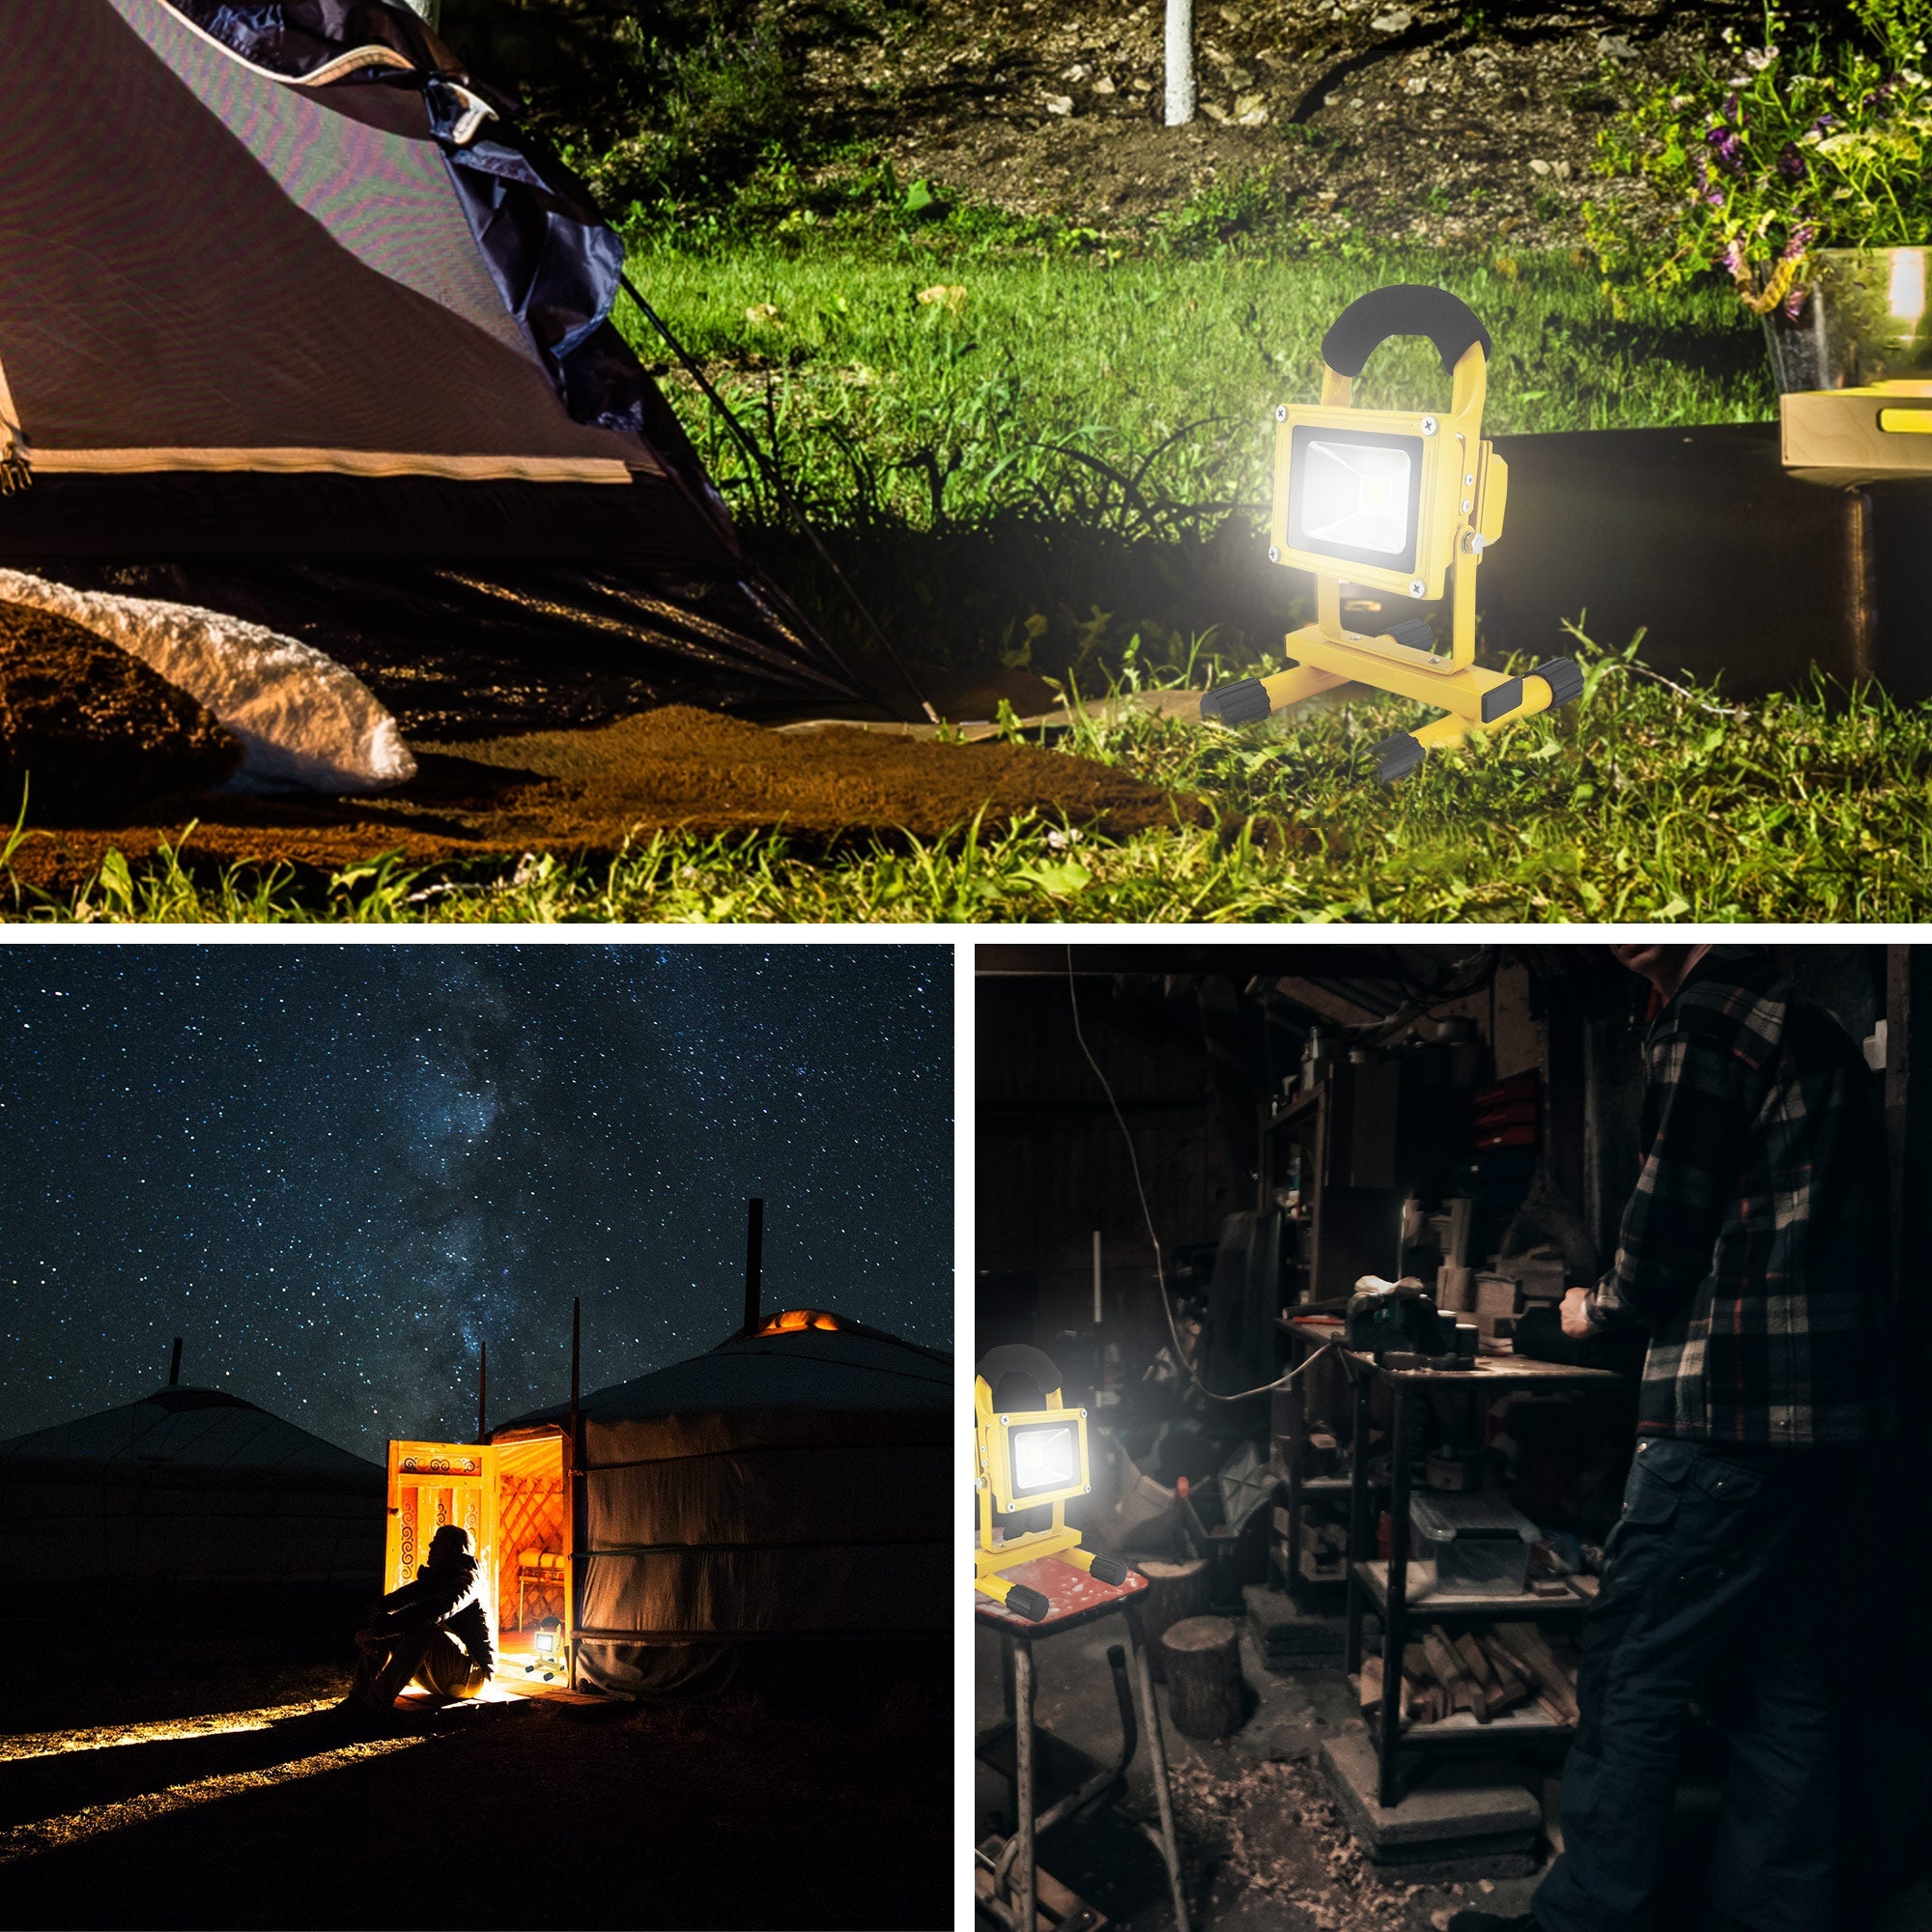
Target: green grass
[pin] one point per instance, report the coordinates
(1167, 369)
(1639, 802)
(1065, 472)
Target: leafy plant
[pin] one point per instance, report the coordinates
(1806, 141)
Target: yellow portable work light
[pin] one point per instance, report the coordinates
(1027, 1460)
(1399, 501)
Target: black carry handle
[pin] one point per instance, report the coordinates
(1016, 1358)
(1403, 308)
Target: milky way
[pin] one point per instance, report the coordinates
(337, 1170)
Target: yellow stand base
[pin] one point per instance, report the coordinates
(988, 1564)
(1470, 695)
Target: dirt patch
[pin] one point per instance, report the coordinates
(582, 793)
(100, 732)
(1428, 123)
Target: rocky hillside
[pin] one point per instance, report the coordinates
(1432, 121)
(1440, 120)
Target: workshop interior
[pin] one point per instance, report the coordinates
(1272, 1248)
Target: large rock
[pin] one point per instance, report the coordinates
(91, 732)
(306, 723)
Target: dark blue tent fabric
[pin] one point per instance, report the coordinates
(554, 260)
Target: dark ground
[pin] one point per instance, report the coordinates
(1263, 1846)
(143, 1783)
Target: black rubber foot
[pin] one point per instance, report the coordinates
(1396, 758)
(1242, 702)
(1501, 698)
(1109, 1569)
(1563, 677)
(1026, 1603)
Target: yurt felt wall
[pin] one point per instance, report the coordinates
(785, 1491)
(191, 1493)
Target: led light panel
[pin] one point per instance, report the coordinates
(1045, 1457)
(1356, 495)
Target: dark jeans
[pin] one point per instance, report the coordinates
(1716, 1586)
(432, 1657)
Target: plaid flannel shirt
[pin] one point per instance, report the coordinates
(1755, 1248)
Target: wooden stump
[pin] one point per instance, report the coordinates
(1207, 1696)
(1175, 1590)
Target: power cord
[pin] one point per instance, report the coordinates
(1181, 1354)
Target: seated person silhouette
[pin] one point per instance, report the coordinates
(434, 1631)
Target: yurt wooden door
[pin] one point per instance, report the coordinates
(432, 1484)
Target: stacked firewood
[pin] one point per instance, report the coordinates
(1506, 1668)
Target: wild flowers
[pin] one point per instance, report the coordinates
(1792, 145)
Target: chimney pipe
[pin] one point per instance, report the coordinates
(576, 1336)
(482, 1391)
(755, 1262)
(175, 1366)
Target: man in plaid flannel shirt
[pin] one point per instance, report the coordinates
(1753, 1251)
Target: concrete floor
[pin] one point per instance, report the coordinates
(1263, 1846)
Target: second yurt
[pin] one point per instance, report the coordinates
(185, 1495)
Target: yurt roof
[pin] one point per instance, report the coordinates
(189, 1429)
(850, 1367)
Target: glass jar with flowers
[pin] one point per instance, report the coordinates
(1797, 167)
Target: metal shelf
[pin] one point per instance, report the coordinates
(1373, 1576)
(1369, 1577)
(1460, 1730)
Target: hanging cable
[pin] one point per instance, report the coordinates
(1181, 1354)
(775, 477)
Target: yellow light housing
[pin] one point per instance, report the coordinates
(1026, 1460)
(1403, 501)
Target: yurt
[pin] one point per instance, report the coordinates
(786, 1494)
(188, 1494)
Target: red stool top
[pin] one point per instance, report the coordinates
(1072, 1597)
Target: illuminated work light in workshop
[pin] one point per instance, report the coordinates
(1400, 502)
(1028, 1459)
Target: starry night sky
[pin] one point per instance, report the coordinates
(335, 1169)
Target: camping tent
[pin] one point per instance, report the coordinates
(298, 324)
(188, 1493)
(791, 1488)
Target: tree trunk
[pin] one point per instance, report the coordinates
(1206, 1695)
(1179, 61)
(1175, 1590)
